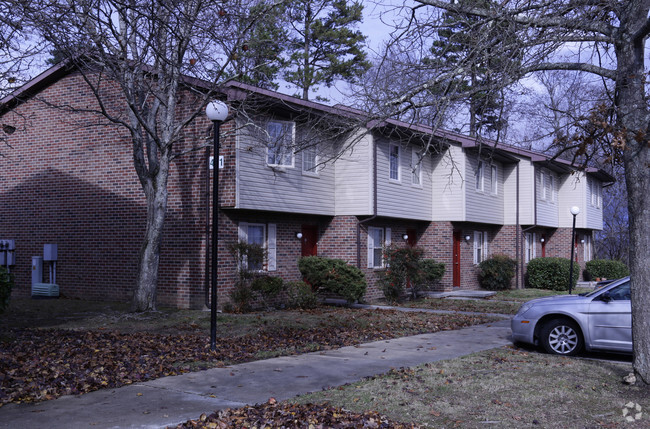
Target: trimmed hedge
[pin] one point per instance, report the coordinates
(333, 275)
(606, 268)
(497, 272)
(300, 295)
(551, 273)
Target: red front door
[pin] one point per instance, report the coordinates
(456, 259)
(309, 241)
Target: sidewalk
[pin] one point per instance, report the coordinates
(172, 400)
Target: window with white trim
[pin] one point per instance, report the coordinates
(416, 168)
(309, 160)
(595, 191)
(530, 246)
(494, 180)
(480, 176)
(588, 248)
(553, 191)
(480, 246)
(280, 145)
(263, 235)
(393, 162)
(378, 239)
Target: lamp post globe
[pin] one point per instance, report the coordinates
(217, 112)
(575, 210)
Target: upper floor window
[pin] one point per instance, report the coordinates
(280, 145)
(596, 193)
(393, 161)
(546, 183)
(494, 180)
(310, 160)
(416, 168)
(480, 246)
(480, 176)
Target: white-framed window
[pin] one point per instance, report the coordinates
(595, 191)
(542, 185)
(378, 239)
(265, 236)
(588, 248)
(494, 180)
(281, 136)
(531, 253)
(393, 162)
(416, 168)
(480, 176)
(480, 246)
(310, 160)
(553, 191)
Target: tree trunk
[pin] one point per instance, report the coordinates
(144, 296)
(633, 120)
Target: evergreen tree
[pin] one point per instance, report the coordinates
(323, 45)
(459, 35)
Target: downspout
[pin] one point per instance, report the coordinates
(374, 196)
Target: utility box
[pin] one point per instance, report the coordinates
(7, 252)
(50, 252)
(37, 269)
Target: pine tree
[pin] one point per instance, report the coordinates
(323, 45)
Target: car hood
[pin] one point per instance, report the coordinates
(559, 300)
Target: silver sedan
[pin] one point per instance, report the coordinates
(564, 324)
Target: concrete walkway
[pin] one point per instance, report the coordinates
(172, 400)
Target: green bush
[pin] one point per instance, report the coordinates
(432, 272)
(551, 273)
(6, 284)
(333, 275)
(267, 286)
(497, 272)
(606, 268)
(300, 295)
(241, 297)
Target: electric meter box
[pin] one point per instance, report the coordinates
(50, 252)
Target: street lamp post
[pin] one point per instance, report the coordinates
(217, 111)
(574, 211)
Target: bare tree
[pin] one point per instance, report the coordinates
(605, 39)
(144, 49)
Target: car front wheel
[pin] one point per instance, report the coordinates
(561, 337)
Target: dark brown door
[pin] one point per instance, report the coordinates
(309, 240)
(456, 259)
(412, 239)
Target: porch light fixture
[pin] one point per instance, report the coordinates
(405, 237)
(575, 210)
(298, 235)
(467, 238)
(541, 240)
(217, 112)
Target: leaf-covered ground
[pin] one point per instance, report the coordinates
(42, 364)
(286, 415)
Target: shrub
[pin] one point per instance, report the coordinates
(333, 275)
(241, 297)
(497, 272)
(551, 273)
(300, 295)
(432, 272)
(268, 287)
(247, 256)
(606, 268)
(6, 284)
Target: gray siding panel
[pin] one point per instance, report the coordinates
(448, 193)
(402, 199)
(353, 178)
(483, 206)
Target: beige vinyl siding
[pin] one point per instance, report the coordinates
(260, 187)
(572, 192)
(353, 178)
(448, 185)
(510, 194)
(482, 206)
(399, 198)
(546, 198)
(526, 192)
(594, 213)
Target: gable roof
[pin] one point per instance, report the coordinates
(238, 91)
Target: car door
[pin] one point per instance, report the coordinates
(610, 320)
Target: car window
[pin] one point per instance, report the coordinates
(621, 292)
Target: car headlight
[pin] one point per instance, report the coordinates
(524, 308)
